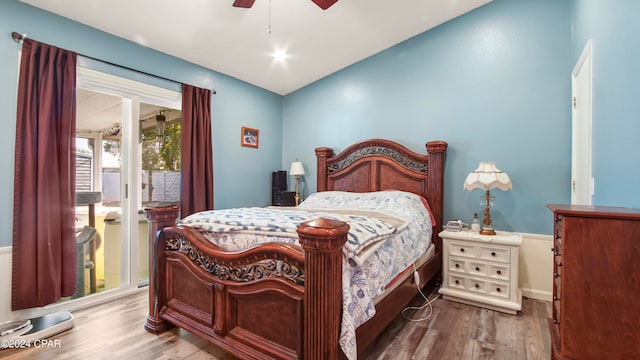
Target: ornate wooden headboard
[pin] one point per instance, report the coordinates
(378, 164)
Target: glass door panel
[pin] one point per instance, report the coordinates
(99, 169)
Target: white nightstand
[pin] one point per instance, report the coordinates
(481, 270)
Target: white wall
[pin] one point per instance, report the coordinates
(536, 266)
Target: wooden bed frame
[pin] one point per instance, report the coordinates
(255, 310)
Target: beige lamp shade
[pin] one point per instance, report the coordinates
(296, 168)
(487, 177)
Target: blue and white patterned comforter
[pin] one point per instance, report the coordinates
(377, 250)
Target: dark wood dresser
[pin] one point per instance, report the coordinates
(596, 292)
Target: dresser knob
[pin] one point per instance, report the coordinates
(457, 266)
(457, 282)
(499, 272)
(553, 249)
(498, 290)
(477, 268)
(477, 286)
(493, 253)
(461, 250)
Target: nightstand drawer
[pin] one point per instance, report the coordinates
(500, 272)
(477, 268)
(495, 253)
(462, 249)
(498, 290)
(457, 265)
(478, 285)
(457, 282)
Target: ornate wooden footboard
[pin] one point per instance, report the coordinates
(285, 301)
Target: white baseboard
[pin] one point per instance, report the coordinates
(537, 294)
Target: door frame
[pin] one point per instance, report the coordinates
(581, 128)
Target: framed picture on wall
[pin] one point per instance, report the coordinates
(250, 137)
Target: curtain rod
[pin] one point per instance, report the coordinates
(19, 38)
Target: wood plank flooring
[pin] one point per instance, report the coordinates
(453, 331)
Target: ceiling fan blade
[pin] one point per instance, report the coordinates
(244, 3)
(324, 4)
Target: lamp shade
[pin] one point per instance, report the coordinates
(296, 168)
(487, 177)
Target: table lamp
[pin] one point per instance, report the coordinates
(487, 177)
(297, 169)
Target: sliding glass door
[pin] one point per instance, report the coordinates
(128, 155)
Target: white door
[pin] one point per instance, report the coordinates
(582, 183)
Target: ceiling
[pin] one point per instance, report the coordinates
(242, 42)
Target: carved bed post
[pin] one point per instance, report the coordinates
(436, 150)
(322, 154)
(159, 217)
(322, 240)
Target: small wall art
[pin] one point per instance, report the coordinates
(250, 137)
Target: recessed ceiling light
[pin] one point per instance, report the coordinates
(280, 55)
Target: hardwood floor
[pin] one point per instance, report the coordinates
(454, 331)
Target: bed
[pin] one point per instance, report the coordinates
(284, 300)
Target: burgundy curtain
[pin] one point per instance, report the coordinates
(197, 151)
(44, 178)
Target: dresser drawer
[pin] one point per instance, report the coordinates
(495, 253)
(462, 249)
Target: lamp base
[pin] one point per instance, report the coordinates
(487, 232)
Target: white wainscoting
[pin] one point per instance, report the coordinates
(536, 266)
(5, 284)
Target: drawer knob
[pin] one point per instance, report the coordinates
(461, 249)
(477, 286)
(553, 249)
(457, 266)
(457, 282)
(498, 290)
(493, 253)
(477, 268)
(499, 272)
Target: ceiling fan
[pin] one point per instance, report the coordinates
(324, 4)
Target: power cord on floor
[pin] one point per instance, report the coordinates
(426, 298)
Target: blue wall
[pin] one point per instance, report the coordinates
(494, 83)
(613, 27)
(242, 175)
